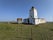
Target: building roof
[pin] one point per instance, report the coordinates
(19, 18)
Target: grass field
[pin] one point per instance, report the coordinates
(26, 32)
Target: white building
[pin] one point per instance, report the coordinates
(33, 17)
(19, 20)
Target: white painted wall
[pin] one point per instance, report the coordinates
(19, 21)
(42, 21)
(35, 13)
(36, 21)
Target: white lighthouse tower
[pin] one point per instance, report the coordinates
(33, 13)
(33, 17)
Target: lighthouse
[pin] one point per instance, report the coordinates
(33, 17)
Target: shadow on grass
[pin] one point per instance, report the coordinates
(51, 29)
(14, 23)
(22, 23)
(27, 24)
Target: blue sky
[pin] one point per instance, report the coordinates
(12, 9)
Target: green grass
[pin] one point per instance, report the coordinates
(26, 32)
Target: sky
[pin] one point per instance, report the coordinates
(10, 10)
